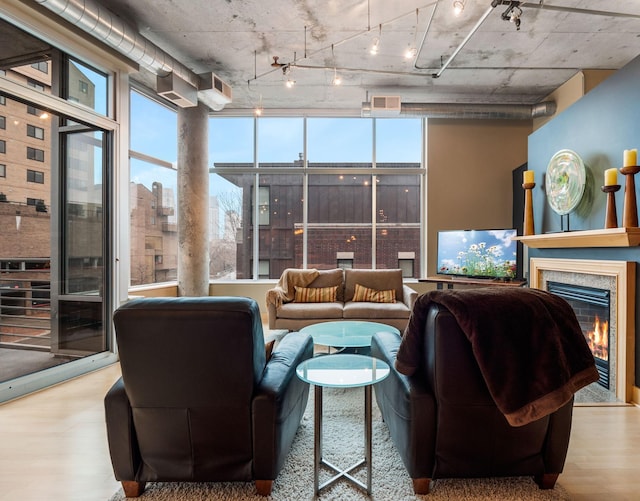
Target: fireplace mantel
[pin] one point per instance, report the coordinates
(610, 237)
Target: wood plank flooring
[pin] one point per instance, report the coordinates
(53, 447)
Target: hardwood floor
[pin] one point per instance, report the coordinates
(53, 446)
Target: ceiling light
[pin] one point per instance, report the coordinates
(259, 109)
(288, 70)
(336, 78)
(458, 7)
(411, 52)
(513, 13)
(376, 42)
(375, 46)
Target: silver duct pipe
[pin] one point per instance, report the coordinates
(107, 27)
(479, 111)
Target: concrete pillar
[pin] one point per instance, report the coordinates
(193, 201)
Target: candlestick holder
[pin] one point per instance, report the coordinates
(611, 219)
(528, 228)
(630, 212)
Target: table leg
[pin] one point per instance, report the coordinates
(317, 444)
(367, 434)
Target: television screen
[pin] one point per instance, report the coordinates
(477, 253)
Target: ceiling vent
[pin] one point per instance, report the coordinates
(214, 91)
(385, 106)
(177, 90)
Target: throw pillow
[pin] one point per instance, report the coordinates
(315, 294)
(364, 294)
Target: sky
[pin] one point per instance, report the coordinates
(336, 140)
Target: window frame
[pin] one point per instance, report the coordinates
(35, 154)
(304, 168)
(35, 176)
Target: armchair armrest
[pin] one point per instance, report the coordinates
(125, 455)
(273, 299)
(409, 296)
(279, 404)
(272, 314)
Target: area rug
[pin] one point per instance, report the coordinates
(343, 444)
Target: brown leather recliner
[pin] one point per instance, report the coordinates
(444, 422)
(198, 401)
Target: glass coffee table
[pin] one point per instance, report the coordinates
(342, 371)
(346, 334)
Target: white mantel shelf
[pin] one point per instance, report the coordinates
(610, 237)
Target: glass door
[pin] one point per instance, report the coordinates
(78, 299)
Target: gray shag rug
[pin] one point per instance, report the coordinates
(343, 445)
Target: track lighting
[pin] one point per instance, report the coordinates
(286, 72)
(375, 46)
(259, 109)
(336, 78)
(458, 7)
(376, 42)
(410, 53)
(512, 14)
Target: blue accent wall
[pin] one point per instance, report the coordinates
(598, 127)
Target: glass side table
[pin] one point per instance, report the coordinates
(342, 371)
(346, 333)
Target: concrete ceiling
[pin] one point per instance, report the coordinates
(237, 39)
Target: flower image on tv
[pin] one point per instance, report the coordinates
(478, 253)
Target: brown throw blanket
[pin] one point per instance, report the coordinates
(527, 342)
(284, 291)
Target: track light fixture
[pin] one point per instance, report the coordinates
(458, 7)
(259, 109)
(376, 42)
(412, 51)
(336, 78)
(286, 72)
(513, 13)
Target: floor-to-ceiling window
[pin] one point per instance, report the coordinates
(55, 206)
(153, 191)
(331, 192)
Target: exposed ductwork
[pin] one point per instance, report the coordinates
(105, 26)
(472, 111)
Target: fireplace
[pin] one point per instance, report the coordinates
(606, 290)
(592, 308)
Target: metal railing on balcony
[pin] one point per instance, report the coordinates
(25, 312)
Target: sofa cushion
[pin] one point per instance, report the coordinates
(303, 311)
(330, 278)
(315, 294)
(373, 279)
(371, 311)
(366, 294)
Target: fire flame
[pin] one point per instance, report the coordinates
(598, 339)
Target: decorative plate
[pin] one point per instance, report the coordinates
(565, 181)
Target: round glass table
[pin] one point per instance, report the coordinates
(346, 333)
(342, 371)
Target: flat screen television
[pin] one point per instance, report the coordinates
(478, 253)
